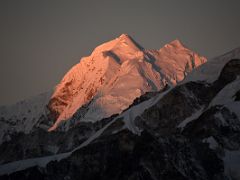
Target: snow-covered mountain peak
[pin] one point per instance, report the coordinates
(121, 48)
(115, 74)
(124, 36)
(176, 44)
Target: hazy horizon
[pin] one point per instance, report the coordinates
(42, 40)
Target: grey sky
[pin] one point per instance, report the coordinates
(41, 40)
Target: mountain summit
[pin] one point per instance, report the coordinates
(115, 74)
(121, 113)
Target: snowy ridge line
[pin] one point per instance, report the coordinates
(211, 70)
(226, 97)
(22, 116)
(130, 115)
(194, 116)
(43, 161)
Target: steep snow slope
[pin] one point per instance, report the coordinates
(22, 116)
(176, 61)
(210, 71)
(128, 117)
(115, 74)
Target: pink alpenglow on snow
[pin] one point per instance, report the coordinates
(115, 74)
